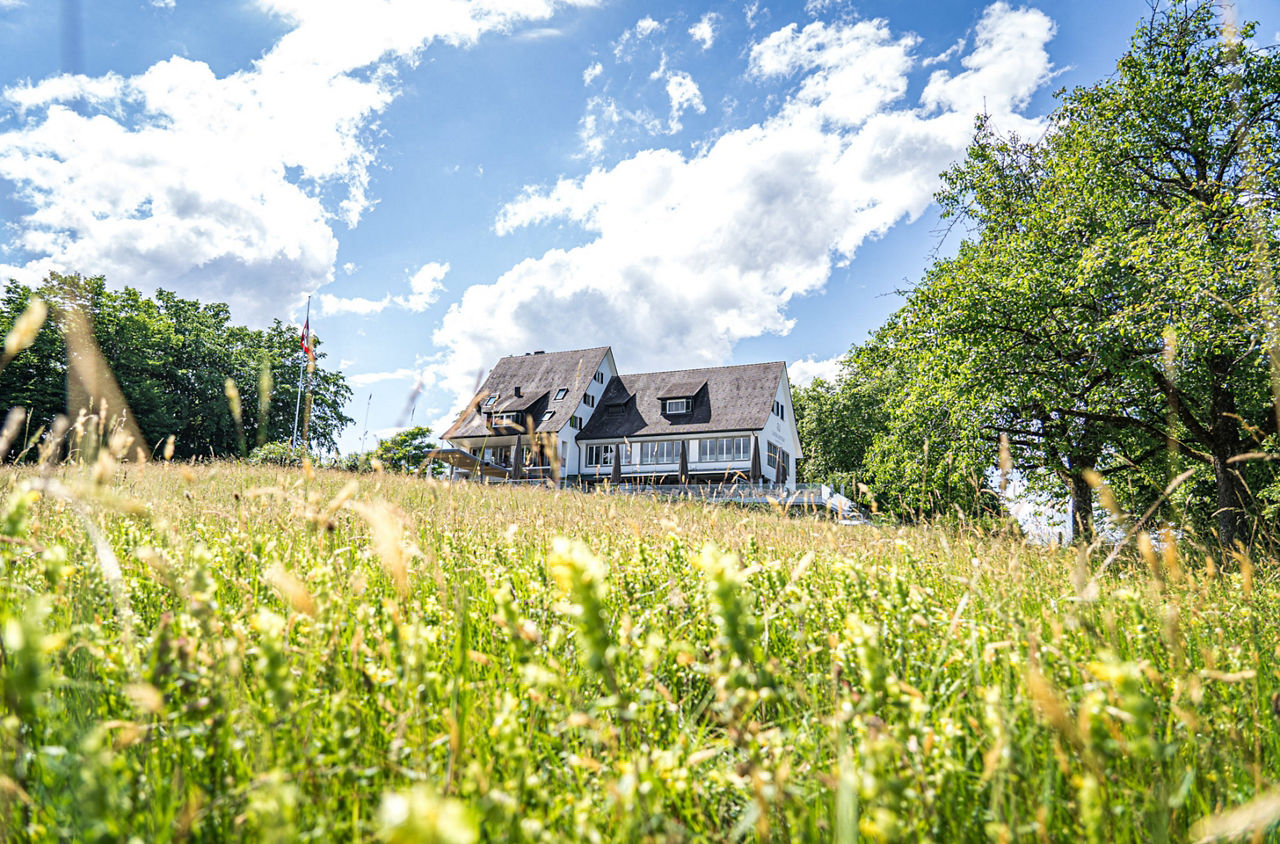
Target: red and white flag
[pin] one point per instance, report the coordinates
(306, 336)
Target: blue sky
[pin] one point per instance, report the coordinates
(453, 181)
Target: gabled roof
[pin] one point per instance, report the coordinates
(725, 398)
(540, 376)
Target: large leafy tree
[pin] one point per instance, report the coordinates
(171, 358)
(1109, 310)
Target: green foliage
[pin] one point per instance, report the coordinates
(289, 658)
(279, 454)
(171, 357)
(407, 451)
(1112, 311)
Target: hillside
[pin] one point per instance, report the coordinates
(290, 655)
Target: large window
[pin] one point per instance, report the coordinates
(775, 454)
(664, 451)
(602, 455)
(724, 450)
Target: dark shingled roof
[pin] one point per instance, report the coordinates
(682, 389)
(727, 398)
(539, 376)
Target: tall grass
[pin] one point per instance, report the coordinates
(297, 655)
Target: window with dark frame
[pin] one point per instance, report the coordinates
(676, 406)
(561, 393)
(547, 415)
(599, 377)
(589, 400)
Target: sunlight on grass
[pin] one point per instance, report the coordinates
(313, 654)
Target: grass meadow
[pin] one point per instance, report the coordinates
(204, 653)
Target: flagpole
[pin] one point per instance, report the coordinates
(297, 407)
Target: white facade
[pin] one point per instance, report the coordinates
(567, 445)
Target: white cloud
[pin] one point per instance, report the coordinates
(684, 95)
(604, 117)
(803, 371)
(224, 187)
(1004, 59)
(691, 253)
(946, 55)
(626, 43)
(647, 26)
(349, 268)
(704, 31)
(331, 305)
(364, 379)
(163, 4)
(753, 13)
(424, 289)
(592, 71)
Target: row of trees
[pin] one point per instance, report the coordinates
(1111, 312)
(171, 358)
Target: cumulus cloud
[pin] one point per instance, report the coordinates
(704, 31)
(802, 372)
(424, 289)
(690, 253)
(684, 95)
(592, 71)
(224, 187)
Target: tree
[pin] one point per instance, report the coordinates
(407, 451)
(1106, 313)
(171, 358)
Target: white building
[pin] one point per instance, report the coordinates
(576, 405)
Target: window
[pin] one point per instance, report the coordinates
(589, 400)
(548, 415)
(775, 454)
(664, 451)
(779, 410)
(506, 420)
(561, 393)
(724, 450)
(601, 455)
(599, 376)
(489, 401)
(575, 422)
(676, 406)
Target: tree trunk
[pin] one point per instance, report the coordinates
(1225, 444)
(1081, 508)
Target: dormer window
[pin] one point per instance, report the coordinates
(675, 406)
(561, 393)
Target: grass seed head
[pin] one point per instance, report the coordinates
(25, 328)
